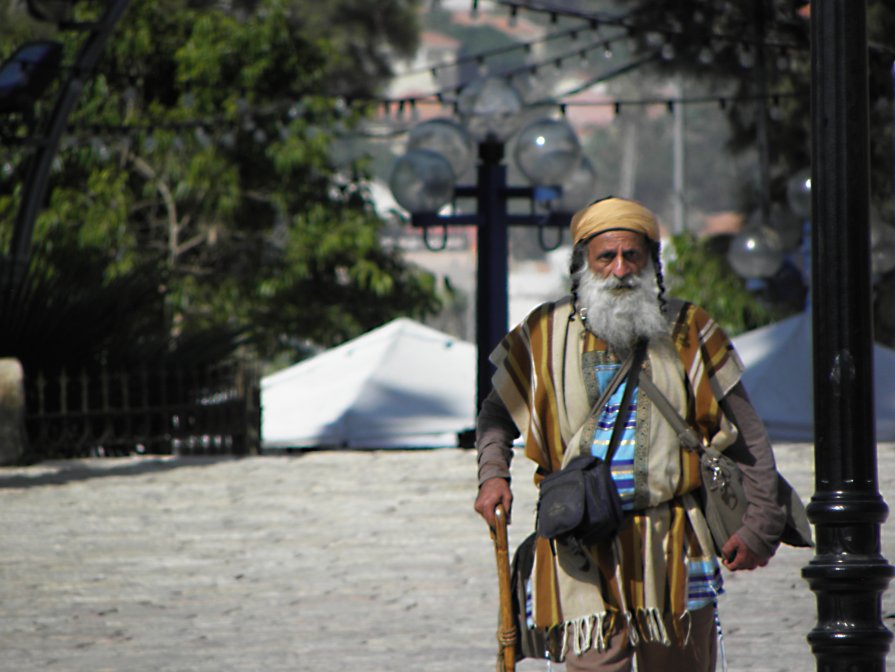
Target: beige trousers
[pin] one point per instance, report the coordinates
(697, 656)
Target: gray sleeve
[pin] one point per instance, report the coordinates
(495, 432)
(765, 518)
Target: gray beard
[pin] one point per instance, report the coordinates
(621, 311)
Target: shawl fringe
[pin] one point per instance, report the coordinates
(594, 631)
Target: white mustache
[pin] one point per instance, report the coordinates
(613, 283)
(628, 282)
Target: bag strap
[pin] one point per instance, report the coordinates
(635, 361)
(685, 433)
(613, 384)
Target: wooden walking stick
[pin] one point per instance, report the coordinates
(506, 633)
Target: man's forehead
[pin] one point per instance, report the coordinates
(616, 237)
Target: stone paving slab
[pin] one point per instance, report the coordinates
(372, 561)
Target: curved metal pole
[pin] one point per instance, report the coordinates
(35, 188)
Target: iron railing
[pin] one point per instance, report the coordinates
(148, 409)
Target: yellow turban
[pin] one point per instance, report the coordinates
(612, 214)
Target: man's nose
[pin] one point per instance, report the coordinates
(621, 267)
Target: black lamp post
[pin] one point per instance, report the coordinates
(848, 574)
(547, 151)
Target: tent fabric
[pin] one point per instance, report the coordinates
(779, 379)
(402, 385)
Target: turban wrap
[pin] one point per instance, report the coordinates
(613, 214)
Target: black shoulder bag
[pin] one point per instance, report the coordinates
(581, 500)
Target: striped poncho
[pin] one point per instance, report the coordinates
(545, 378)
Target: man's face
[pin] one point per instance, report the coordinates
(618, 254)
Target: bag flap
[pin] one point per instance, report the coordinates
(797, 531)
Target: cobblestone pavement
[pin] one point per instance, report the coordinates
(369, 561)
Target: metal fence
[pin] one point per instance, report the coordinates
(149, 409)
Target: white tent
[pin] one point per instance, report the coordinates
(779, 374)
(401, 385)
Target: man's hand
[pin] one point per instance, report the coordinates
(736, 555)
(492, 492)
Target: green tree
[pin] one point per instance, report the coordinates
(200, 156)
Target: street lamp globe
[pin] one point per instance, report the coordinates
(445, 137)
(788, 225)
(547, 151)
(798, 193)
(490, 108)
(422, 181)
(756, 252)
(578, 188)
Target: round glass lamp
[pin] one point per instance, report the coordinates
(445, 137)
(422, 181)
(798, 193)
(578, 188)
(547, 151)
(756, 252)
(783, 221)
(490, 108)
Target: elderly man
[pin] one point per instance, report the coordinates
(651, 591)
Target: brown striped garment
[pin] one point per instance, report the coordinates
(642, 575)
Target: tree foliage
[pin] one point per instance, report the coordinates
(199, 155)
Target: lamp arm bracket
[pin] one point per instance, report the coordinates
(543, 224)
(444, 238)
